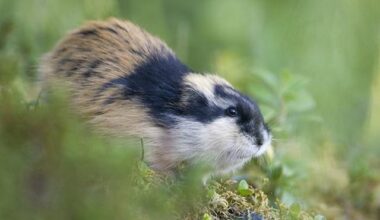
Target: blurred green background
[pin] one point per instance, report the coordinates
(313, 66)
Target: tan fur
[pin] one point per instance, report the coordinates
(205, 83)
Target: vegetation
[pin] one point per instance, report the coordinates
(313, 67)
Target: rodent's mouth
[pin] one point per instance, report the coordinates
(259, 150)
(251, 151)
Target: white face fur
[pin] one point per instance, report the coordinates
(220, 143)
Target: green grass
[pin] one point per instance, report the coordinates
(313, 67)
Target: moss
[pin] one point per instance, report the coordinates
(227, 203)
(224, 199)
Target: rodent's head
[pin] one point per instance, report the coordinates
(218, 124)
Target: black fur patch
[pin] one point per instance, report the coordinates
(247, 108)
(156, 84)
(199, 108)
(249, 116)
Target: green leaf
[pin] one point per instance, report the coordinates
(269, 78)
(243, 185)
(206, 216)
(264, 95)
(243, 188)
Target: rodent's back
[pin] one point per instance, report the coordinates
(93, 62)
(102, 50)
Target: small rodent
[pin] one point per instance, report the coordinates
(129, 82)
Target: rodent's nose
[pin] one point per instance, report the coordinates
(259, 140)
(258, 136)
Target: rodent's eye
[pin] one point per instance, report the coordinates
(231, 111)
